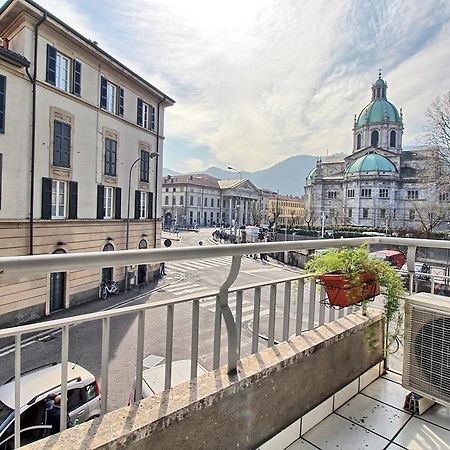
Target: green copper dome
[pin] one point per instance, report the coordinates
(371, 162)
(311, 175)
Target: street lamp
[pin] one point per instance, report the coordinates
(240, 197)
(152, 155)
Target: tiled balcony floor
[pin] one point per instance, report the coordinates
(375, 419)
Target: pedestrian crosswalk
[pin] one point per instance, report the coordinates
(192, 265)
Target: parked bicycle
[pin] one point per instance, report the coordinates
(108, 288)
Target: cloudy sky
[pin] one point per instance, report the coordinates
(257, 81)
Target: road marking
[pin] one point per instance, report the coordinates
(180, 286)
(192, 291)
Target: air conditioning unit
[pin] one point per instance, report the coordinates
(426, 359)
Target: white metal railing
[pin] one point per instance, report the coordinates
(316, 311)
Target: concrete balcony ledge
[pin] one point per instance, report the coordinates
(272, 389)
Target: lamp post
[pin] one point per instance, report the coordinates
(240, 197)
(152, 155)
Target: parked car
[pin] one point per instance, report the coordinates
(419, 269)
(154, 372)
(393, 257)
(83, 401)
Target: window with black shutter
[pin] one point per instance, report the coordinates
(137, 204)
(73, 200)
(139, 111)
(51, 65)
(110, 157)
(118, 203)
(61, 144)
(150, 205)
(46, 198)
(121, 101)
(145, 166)
(2, 103)
(103, 92)
(100, 201)
(76, 78)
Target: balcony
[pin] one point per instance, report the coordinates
(320, 383)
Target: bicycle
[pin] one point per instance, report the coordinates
(109, 288)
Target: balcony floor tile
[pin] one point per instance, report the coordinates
(387, 391)
(421, 435)
(301, 444)
(439, 415)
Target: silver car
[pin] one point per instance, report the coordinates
(83, 401)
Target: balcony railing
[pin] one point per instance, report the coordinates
(309, 311)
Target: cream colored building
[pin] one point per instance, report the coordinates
(74, 123)
(286, 210)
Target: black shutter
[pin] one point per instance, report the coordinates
(2, 102)
(139, 111)
(118, 205)
(51, 65)
(100, 201)
(103, 92)
(137, 204)
(76, 77)
(121, 101)
(73, 200)
(46, 198)
(150, 205)
(1, 168)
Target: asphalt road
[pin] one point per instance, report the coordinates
(185, 277)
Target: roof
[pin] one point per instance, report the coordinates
(311, 175)
(371, 162)
(14, 58)
(230, 184)
(376, 111)
(89, 43)
(40, 381)
(199, 179)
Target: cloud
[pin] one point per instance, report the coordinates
(257, 81)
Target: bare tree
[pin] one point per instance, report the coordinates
(310, 216)
(430, 214)
(256, 214)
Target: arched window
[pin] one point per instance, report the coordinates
(57, 287)
(142, 244)
(374, 137)
(107, 272)
(393, 139)
(358, 141)
(108, 248)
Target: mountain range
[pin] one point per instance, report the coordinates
(287, 177)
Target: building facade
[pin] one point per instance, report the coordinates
(77, 127)
(378, 184)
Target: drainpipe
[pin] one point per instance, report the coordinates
(33, 131)
(157, 167)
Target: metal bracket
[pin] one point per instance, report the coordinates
(228, 315)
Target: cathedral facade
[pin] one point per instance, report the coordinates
(378, 184)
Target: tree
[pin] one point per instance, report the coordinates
(430, 214)
(256, 214)
(310, 216)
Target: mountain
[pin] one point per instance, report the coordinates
(287, 177)
(172, 173)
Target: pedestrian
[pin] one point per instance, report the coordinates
(53, 409)
(162, 269)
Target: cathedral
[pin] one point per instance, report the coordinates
(378, 184)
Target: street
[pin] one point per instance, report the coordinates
(183, 277)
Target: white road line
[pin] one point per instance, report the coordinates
(181, 287)
(244, 308)
(250, 316)
(191, 291)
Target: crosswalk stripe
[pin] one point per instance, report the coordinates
(181, 287)
(250, 316)
(244, 308)
(201, 264)
(191, 291)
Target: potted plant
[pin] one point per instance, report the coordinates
(351, 275)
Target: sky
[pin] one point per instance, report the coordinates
(258, 81)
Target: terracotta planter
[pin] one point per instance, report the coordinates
(340, 293)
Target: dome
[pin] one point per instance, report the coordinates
(311, 175)
(371, 162)
(375, 112)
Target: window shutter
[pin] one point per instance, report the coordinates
(73, 200)
(103, 92)
(100, 201)
(139, 111)
(1, 168)
(137, 204)
(46, 198)
(118, 204)
(121, 101)
(2, 102)
(51, 65)
(150, 205)
(76, 77)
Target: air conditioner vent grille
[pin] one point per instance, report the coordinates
(427, 354)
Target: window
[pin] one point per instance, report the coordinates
(384, 193)
(212, 217)
(174, 200)
(74, 399)
(366, 193)
(382, 213)
(191, 201)
(2, 102)
(111, 97)
(412, 214)
(350, 212)
(332, 194)
(143, 202)
(59, 70)
(212, 202)
(206, 201)
(396, 196)
(199, 201)
(174, 189)
(443, 197)
(145, 166)
(181, 200)
(167, 189)
(358, 141)
(166, 200)
(108, 203)
(58, 199)
(374, 137)
(152, 118)
(61, 144)
(365, 213)
(62, 72)
(110, 157)
(351, 193)
(218, 202)
(91, 392)
(413, 194)
(146, 115)
(393, 139)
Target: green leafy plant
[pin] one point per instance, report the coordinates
(351, 262)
